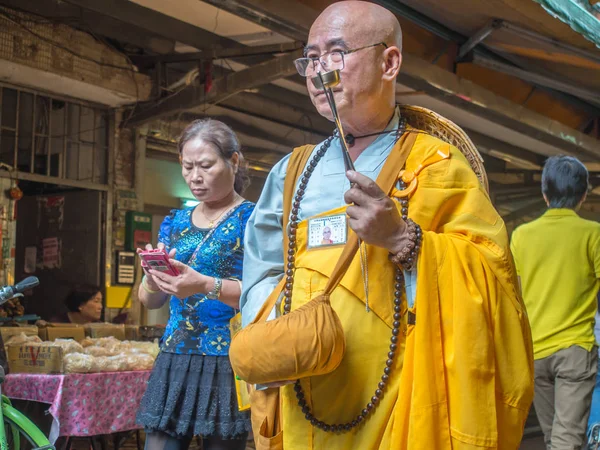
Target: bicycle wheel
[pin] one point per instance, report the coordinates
(21, 432)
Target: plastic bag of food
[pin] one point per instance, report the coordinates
(139, 361)
(69, 346)
(78, 363)
(125, 346)
(88, 342)
(23, 339)
(114, 346)
(148, 348)
(100, 342)
(116, 363)
(97, 351)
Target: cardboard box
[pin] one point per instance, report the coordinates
(35, 359)
(132, 332)
(100, 330)
(62, 331)
(76, 333)
(8, 332)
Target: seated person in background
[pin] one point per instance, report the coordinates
(84, 305)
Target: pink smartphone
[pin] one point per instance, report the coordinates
(158, 260)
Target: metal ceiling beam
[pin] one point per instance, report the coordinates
(478, 37)
(195, 95)
(397, 7)
(422, 20)
(167, 131)
(584, 106)
(444, 32)
(536, 37)
(511, 198)
(266, 157)
(79, 17)
(232, 106)
(53, 180)
(436, 28)
(274, 92)
(530, 208)
(277, 112)
(256, 132)
(502, 190)
(217, 53)
(532, 77)
(282, 95)
(507, 152)
(280, 17)
(130, 13)
(436, 82)
(494, 165)
(239, 126)
(242, 127)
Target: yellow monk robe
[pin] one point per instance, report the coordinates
(464, 373)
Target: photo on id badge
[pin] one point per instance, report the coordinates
(327, 231)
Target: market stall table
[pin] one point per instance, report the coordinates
(83, 405)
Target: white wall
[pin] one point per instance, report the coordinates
(163, 184)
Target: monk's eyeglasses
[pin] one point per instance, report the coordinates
(308, 67)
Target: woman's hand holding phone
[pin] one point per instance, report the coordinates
(150, 280)
(186, 283)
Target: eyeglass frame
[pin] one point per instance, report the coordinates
(341, 52)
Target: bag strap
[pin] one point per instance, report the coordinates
(296, 165)
(386, 181)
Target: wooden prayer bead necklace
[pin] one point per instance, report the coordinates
(287, 299)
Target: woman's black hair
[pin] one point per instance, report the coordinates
(80, 296)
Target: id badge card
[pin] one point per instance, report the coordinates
(327, 231)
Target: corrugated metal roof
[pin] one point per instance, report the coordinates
(578, 14)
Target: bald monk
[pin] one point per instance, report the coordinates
(438, 347)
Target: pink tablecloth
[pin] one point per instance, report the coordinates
(83, 404)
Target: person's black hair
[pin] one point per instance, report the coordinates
(564, 181)
(80, 296)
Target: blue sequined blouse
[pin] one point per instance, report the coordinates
(198, 325)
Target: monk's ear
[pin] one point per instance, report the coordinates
(392, 60)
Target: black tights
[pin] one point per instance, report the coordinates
(157, 440)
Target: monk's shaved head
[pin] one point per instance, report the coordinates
(365, 97)
(370, 23)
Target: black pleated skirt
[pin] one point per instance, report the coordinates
(190, 395)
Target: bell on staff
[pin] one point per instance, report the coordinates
(329, 79)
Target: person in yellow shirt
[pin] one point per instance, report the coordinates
(558, 261)
(438, 349)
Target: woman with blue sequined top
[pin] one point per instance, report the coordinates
(191, 390)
